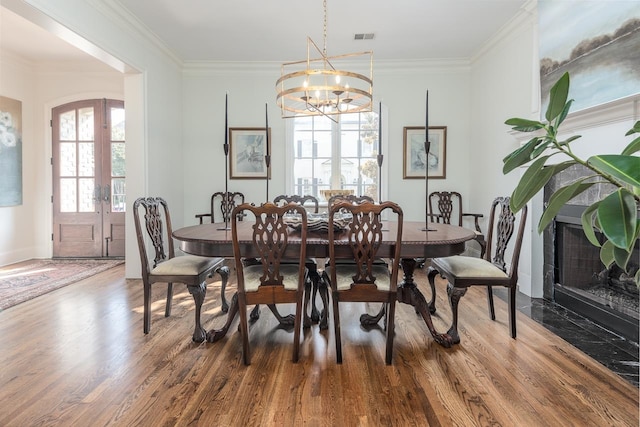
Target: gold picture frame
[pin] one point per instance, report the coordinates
(414, 158)
(247, 151)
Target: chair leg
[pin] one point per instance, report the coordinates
(244, 329)
(198, 292)
(323, 289)
(454, 298)
(492, 310)
(512, 311)
(431, 275)
(336, 326)
(223, 271)
(315, 280)
(167, 308)
(306, 323)
(146, 316)
(296, 332)
(391, 314)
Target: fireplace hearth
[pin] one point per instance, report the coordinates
(576, 279)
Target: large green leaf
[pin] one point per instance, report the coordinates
(606, 254)
(534, 178)
(524, 125)
(532, 181)
(559, 199)
(632, 148)
(617, 214)
(621, 257)
(564, 113)
(519, 157)
(569, 140)
(545, 143)
(558, 97)
(587, 223)
(623, 168)
(634, 129)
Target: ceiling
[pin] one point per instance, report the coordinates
(276, 30)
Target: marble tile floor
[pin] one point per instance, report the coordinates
(613, 351)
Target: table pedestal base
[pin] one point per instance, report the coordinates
(408, 293)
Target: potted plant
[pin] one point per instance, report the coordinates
(616, 215)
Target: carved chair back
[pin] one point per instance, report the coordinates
(364, 234)
(157, 228)
(268, 242)
(228, 201)
(502, 223)
(351, 198)
(446, 204)
(307, 200)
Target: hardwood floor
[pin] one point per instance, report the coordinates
(78, 357)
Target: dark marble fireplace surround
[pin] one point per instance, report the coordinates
(574, 277)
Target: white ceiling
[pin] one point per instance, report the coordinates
(276, 30)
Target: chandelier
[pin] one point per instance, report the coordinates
(320, 85)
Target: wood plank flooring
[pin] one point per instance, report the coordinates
(78, 357)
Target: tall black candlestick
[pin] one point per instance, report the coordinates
(226, 158)
(427, 148)
(380, 157)
(267, 158)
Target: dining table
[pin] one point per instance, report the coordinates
(419, 240)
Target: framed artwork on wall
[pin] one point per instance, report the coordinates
(416, 163)
(10, 152)
(247, 151)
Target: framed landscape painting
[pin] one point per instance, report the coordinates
(247, 151)
(416, 163)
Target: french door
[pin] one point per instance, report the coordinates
(89, 179)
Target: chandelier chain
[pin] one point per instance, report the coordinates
(324, 34)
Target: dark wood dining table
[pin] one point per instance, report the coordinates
(214, 240)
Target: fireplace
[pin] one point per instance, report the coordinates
(577, 280)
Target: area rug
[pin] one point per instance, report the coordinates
(26, 280)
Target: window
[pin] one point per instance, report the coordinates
(336, 155)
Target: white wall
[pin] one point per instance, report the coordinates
(155, 167)
(400, 89)
(18, 239)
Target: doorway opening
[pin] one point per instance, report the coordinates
(88, 179)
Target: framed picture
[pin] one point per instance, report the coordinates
(10, 152)
(247, 151)
(416, 162)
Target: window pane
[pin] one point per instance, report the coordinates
(86, 189)
(87, 159)
(86, 124)
(117, 124)
(117, 159)
(117, 195)
(320, 162)
(68, 126)
(67, 159)
(68, 196)
(323, 144)
(349, 144)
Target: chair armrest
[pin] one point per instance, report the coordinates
(476, 217)
(200, 216)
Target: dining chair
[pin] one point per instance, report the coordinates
(225, 202)
(364, 280)
(351, 198)
(446, 207)
(313, 279)
(155, 240)
(461, 272)
(271, 281)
